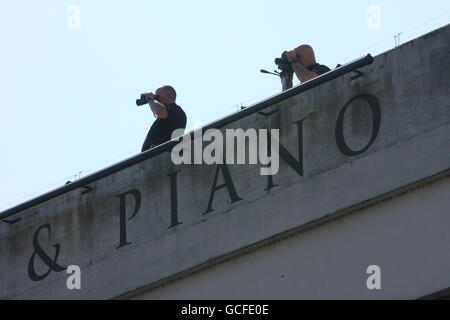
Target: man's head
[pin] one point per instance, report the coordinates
(167, 95)
(305, 54)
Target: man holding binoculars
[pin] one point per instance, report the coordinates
(303, 62)
(169, 116)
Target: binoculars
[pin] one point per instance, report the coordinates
(284, 64)
(145, 99)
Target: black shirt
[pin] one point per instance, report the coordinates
(162, 128)
(318, 68)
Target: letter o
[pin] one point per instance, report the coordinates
(376, 122)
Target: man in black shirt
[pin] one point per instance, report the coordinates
(303, 62)
(169, 116)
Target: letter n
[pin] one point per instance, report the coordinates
(296, 165)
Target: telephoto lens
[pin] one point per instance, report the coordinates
(283, 63)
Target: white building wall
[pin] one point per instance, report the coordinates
(407, 236)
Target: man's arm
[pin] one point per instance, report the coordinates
(303, 74)
(159, 110)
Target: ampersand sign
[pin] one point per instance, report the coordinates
(51, 263)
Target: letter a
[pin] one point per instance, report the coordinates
(74, 281)
(374, 281)
(374, 20)
(74, 20)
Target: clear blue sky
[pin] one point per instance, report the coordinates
(68, 95)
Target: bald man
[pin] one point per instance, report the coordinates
(169, 116)
(303, 62)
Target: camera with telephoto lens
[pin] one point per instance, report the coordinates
(283, 63)
(145, 99)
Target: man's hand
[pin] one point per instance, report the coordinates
(303, 74)
(291, 56)
(149, 96)
(159, 110)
